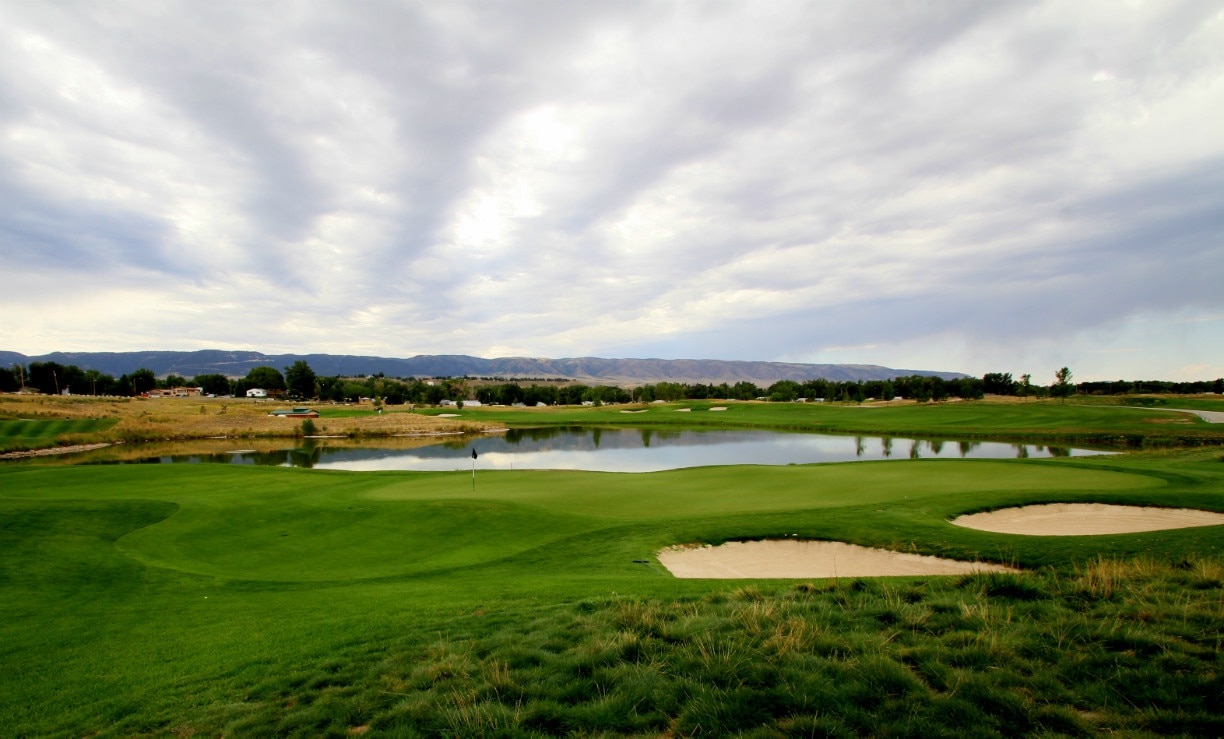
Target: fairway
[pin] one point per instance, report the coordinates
(258, 600)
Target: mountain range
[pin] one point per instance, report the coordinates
(592, 370)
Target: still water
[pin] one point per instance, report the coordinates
(628, 450)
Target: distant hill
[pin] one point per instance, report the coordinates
(593, 370)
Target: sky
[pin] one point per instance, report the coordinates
(961, 186)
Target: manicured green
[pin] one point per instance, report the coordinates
(256, 601)
(18, 434)
(1049, 421)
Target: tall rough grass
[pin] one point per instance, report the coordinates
(1130, 646)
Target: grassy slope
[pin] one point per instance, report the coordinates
(1044, 421)
(206, 598)
(38, 433)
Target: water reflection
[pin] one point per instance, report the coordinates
(603, 449)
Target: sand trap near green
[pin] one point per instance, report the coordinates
(1086, 519)
(796, 559)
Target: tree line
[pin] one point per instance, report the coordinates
(300, 382)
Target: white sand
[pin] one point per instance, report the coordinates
(793, 558)
(1085, 519)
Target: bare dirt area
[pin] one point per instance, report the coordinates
(786, 558)
(54, 451)
(1086, 519)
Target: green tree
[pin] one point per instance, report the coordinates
(9, 380)
(46, 376)
(212, 384)
(140, 381)
(330, 388)
(268, 378)
(1026, 386)
(354, 391)
(998, 383)
(300, 380)
(783, 391)
(1062, 384)
(744, 390)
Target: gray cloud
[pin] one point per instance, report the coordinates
(965, 184)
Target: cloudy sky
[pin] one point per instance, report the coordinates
(969, 186)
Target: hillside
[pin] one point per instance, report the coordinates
(586, 369)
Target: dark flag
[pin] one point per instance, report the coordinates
(473, 452)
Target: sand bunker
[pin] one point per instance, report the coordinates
(1086, 519)
(791, 558)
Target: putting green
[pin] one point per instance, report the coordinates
(755, 489)
(355, 526)
(346, 540)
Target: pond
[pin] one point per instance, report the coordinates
(620, 450)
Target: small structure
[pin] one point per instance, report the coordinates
(295, 413)
(257, 392)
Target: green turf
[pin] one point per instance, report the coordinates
(1094, 423)
(38, 433)
(180, 599)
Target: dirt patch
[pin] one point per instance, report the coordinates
(787, 558)
(53, 451)
(1086, 519)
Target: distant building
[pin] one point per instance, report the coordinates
(257, 392)
(296, 413)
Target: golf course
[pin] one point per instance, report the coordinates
(239, 600)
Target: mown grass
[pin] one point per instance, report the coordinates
(22, 434)
(1094, 423)
(256, 601)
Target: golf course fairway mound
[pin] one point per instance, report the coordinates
(786, 558)
(1086, 519)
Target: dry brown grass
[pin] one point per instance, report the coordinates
(204, 418)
